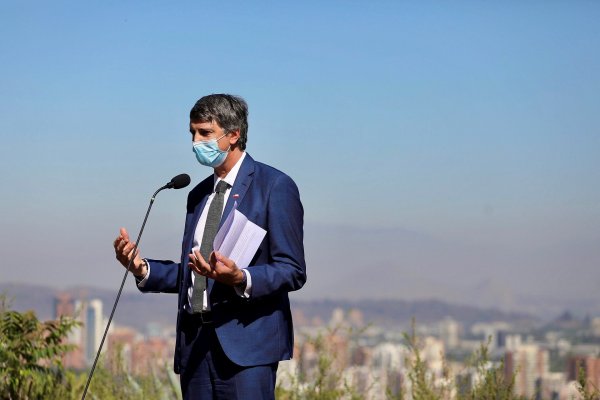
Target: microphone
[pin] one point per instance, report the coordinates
(178, 182)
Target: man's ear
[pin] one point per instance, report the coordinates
(234, 137)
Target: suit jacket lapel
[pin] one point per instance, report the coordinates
(196, 218)
(240, 186)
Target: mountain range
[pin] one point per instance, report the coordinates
(137, 310)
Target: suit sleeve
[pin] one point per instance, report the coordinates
(163, 278)
(286, 269)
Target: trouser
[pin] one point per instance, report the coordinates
(209, 374)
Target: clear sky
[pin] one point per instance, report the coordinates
(441, 149)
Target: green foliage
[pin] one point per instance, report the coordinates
(116, 383)
(31, 368)
(585, 388)
(422, 385)
(326, 382)
(30, 355)
(492, 384)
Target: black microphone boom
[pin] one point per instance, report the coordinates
(178, 182)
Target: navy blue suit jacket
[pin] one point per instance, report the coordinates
(258, 330)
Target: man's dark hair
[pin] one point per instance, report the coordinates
(230, 112)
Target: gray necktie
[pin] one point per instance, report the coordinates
(213, 218)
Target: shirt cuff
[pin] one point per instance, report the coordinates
(248, 291)
(142, 282)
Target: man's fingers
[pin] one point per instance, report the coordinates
(200, 270)
(132, 254)
(202, 262)
(122, 239)
(122, 246)
(229, 263)
(220, 267)
(193, 267)
(198, 264)
(126, 249)
(119, 249)
(124, 234)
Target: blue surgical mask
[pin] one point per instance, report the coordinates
(208, 152)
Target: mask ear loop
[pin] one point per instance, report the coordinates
(228, 148)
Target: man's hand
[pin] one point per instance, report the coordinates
(221, 268)
(124, 253)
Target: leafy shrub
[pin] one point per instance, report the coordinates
(30, 355)
(31, 366)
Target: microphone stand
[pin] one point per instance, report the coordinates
(112, 313)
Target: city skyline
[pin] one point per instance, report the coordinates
(441, 150)
(537, 362)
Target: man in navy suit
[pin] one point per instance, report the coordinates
(233, 325)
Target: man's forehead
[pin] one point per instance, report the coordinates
(199, 124)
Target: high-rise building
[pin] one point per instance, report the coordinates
(65, 306)
(489, 332)
(551, 385)
(389, 356)
(529, 363)
(589, 366)
(449, 332)
(93, 328)
(595, 326)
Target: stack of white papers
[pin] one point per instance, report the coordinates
(238, 238)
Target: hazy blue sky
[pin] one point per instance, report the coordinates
(441, 149)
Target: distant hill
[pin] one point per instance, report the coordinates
(137, 309)
(400, 312)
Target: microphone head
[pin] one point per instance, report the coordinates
(180, 181)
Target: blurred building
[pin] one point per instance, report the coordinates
(489, 332)
(129, 350)
(449, 332)
(551, 385)
(595, 326)
(433, 354)
(588, 366)
(65, 306)
(152, 355)
(93, 328)
(528, 363)
(287, 374)
(356, 318)
(367, 383)
(389, 360)
(120, 344)
(389, 356)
